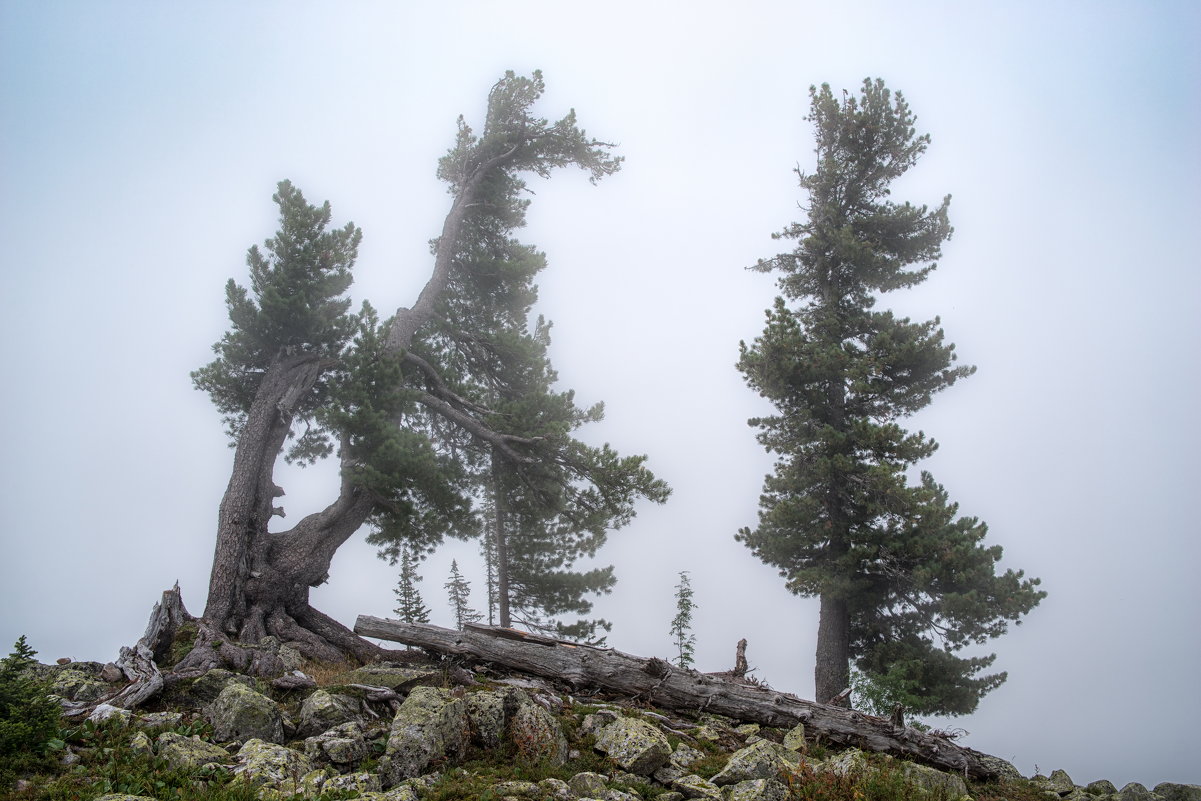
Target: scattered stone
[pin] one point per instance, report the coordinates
(795, 739)
(394, 678)
(593, 723)
(519, 789)
(1003, 769)
(111, 673)
(206, 688)
(935, 782)
(693, 786)
(140, 744)
(430, 725)
(685, 756)
(634, 745)
(358, 782)
(107, 711)
(757, 790)
(849, 763)
(165, 719)
(295, 680)
(556, 789)
(1101, 787)
(537, 734)
(240, 714)
(322, 711)
(267, 764)
(1135, 792)
(761, 760)
(1172, 791)
(341, 745)
(76, 685)
(189, 752)
(486, 712)
(588, 785)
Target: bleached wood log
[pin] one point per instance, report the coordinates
(666, 685)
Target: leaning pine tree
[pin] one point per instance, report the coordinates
(903, 581)
(402, 403)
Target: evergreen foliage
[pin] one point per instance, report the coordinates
(458, 591)
(904, 580)
(410, 606)
(681, 624)
(434, 413)
(552, 507)
(29, 718)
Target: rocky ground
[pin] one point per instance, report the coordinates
(423, 728)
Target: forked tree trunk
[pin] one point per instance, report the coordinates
(260, 580)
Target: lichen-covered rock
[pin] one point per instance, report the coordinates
(934, 782)
(685, 756)
(341, 745)
(239, 714)
(757, 790)
(634, 745)
(486, 713)
(358, 782)
(269, 765)
(536, 734)
(165, 719)
(1172, 791)
(1059, 782)
(850, 762)
(693, 786)
(556, 789)
(588, 785)
(761, 760)
(323, 710)
(1101, 787)
(140, 744)
(124, 797)
(594, 722)
(401, 792)
(109, 712)
(188, 752)
(1134, 792)
(206, 688)
(78, 685)
(430, 725)
(794, 739)
(1001, 768)
(392, 677)
(517, 788)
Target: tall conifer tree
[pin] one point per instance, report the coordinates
(903, 580)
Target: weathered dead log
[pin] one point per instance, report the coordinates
(672, 687)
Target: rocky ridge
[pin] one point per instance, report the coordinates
(408, 731)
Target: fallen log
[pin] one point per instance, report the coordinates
(666, 685)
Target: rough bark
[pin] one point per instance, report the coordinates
(831, 672)
(671, 687)
(260, 580)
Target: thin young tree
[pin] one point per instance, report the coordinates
(681, 624)
(410, 607)
(903, 581)
(458, 591)
(398, 401)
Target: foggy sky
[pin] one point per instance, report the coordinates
(140, 144)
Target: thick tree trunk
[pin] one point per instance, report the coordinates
(671, 687)
(831, 674)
